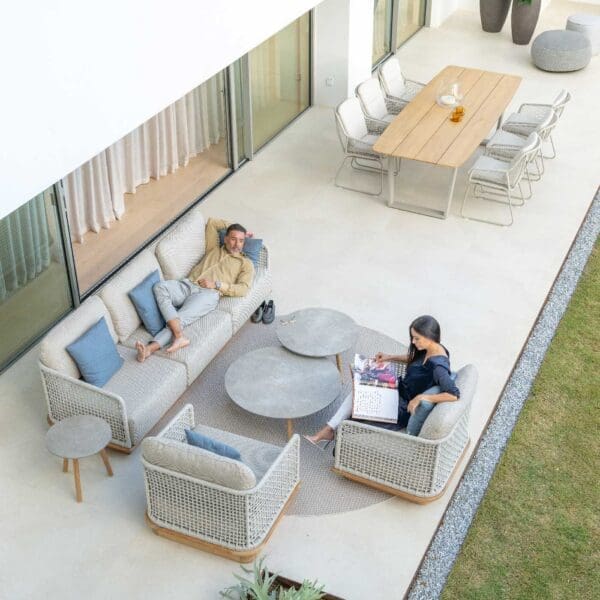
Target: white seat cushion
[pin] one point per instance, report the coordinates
(52, 350)
(207, 336)
(241, 308)
(489, 170)
(182, 248)
(114, 293)
(259, 456)
(148, 389)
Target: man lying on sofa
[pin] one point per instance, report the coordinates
(223, 271)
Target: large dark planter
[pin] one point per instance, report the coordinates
(524, 18)
(493, 14)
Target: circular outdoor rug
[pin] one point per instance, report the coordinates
(321, 491)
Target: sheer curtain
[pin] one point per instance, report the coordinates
(94, 192)
(25, 242)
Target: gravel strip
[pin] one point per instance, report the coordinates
(447, 542)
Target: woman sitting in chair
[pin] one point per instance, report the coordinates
(428, 366)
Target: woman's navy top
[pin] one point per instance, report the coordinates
(420, 377)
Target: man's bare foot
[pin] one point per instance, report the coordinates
(180, 342)
(142, 352)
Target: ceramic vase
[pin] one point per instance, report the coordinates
(493, 14)
(524, 18)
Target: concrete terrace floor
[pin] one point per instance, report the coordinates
(348, 251)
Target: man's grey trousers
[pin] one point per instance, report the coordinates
(181, 299)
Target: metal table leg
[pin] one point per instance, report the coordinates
(450, 192)
(391, 179)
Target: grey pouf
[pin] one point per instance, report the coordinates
(560, 50)
(589, 25)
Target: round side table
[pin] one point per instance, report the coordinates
(77, 437)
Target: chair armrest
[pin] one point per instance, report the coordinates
(503, 152)
(394, 105)
(67, 397)
(263, 258)
(375, 126)
(538, 111)
(175, 429)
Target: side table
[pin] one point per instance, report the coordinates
(77, 437)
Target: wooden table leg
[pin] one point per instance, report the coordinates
(338, 362)
(106, 462)
(78, 494)
(290, 428)
(65, 465)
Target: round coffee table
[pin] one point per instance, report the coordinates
(78, 437)
(273, 382)
(318, 332)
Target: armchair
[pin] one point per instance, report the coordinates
(395, 85)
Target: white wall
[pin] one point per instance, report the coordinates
(77, 76)
(342, 48)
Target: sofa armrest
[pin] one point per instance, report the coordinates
(67, 397)
(175, 429)
(263, 258)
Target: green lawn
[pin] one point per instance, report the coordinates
(537, 531)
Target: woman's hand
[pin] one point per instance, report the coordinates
(382, 357)
(414, 403)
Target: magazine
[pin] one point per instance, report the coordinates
(375, 390)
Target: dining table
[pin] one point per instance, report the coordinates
(423, 131)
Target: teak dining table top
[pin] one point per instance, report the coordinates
(423, 130)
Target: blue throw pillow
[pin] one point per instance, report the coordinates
(96, 354)
(252, 246)
(144, 301)
(197, 439)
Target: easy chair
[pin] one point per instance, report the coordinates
(530, 116)
(217, 504)
(417, 468)
(375, 104)
(395, 85)
(492, 179)
(357, 134)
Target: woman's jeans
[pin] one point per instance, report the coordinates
(418, 418)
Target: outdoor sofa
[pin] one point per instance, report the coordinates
(416, 468)
(139, 394)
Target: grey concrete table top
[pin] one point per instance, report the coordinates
(78, 437)
(317, 332)
(273, 382)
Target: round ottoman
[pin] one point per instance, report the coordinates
(559, 50)
(589, 25)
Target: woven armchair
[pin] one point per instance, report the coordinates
(234, 523)
(357, 134)
(375, 104)
(416, 468)
(395, 85)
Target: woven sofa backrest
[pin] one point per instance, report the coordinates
(53, 352)
(445, 415)
(114, 293)
(182, 248)
(195, 462)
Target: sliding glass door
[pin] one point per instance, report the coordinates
(279, 80)
(382, 30)
(34, 286)
(410, 18)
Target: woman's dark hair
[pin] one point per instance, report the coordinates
(426, 326)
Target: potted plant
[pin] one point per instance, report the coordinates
(493, 14)
(263, 585)
(524, 17)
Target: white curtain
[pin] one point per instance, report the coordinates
(94, 192)
(25, 242)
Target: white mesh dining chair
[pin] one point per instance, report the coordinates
(530, 115)
(493, 179)
(357, 134)
(395, 85)
(504, 145)
(375, 104)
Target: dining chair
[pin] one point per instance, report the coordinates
(357, 134)
(530, 115)
(493, 179)
(375, 104)
(395, 85)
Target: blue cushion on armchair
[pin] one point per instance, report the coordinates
(144, 301)
(202, 441)
(96, 354)
(252, 246)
